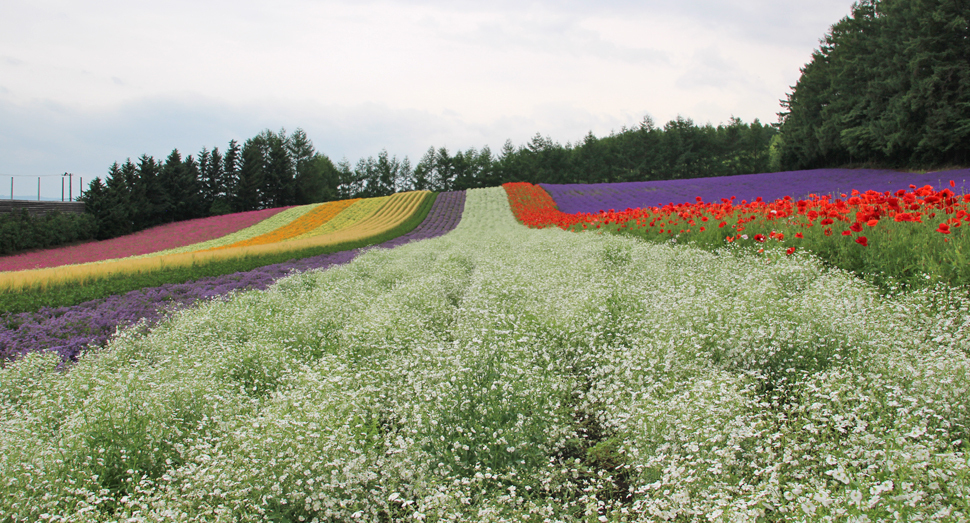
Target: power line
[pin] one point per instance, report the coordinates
(33, 175)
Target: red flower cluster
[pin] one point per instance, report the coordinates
(535, 208)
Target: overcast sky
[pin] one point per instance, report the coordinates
(83, 84)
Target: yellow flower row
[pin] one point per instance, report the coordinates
(395, 211)
(361, 210)
(318, 216)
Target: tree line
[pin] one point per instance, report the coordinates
(275, 169)
(888, 87)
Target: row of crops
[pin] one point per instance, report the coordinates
(498, 372)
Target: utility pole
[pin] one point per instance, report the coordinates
(70, 187)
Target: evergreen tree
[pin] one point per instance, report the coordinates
(422, 174)
(888, 86)
(115, 219)
(279, 183)
(323, 185)
(308, 180)
(157, 201)
(219, 204)
(95, 201)
(248, 194)
(230, 177)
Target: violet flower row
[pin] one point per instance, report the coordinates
(69, 331)
(592, 198)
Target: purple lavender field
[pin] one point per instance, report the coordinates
(71, 330)
(769, 186)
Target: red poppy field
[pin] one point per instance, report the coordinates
(909, 237)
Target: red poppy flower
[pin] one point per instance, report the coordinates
(856, 227)
(789, 251)
(846, 233)
(863, 241)
(872, 223)
(729, 239)
(760, 238)
(953, 183)
(721, 225)
(799, 235)
(943, 228)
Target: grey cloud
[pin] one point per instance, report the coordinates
(548, 35)
(710, 69)
(45, 137)
(773, 22)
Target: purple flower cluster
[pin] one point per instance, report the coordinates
(70, 330)
(595, 197)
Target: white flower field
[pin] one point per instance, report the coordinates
(500, 373)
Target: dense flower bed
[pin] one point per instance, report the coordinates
(71, 330)
(152, 240)
(500, 373)
(912, 237)
(353, 214)
(313, 219)
(593, 198)
(400, 209)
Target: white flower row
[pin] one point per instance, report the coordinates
(499, 373)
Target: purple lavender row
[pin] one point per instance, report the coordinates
(595, 197)
(70, 330)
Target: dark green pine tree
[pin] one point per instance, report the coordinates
(329, 178)
(95, 201)
(216, 179)
(116, 219)
(156, 199)
(190, 204)
(423, 172)
(279, 183)
(889, 86)
(308, 180)
(207, 185)
(179, 180)
(136, 193)
(248, 194)
(230, 176)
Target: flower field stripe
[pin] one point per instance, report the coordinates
(443, 218)
(264, 227)
(393, 211)
(396, 211)
(70, 330)
(150, 241)
(314, 218)
(914, 236)
(360, 210)
(593, 198)
(500, 373)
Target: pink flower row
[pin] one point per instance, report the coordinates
(168, 236)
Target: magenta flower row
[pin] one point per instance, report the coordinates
(168, 236)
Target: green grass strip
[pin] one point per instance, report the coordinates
(80, 292)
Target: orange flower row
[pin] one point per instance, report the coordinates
(304, 224)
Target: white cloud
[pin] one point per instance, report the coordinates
(86, 84)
